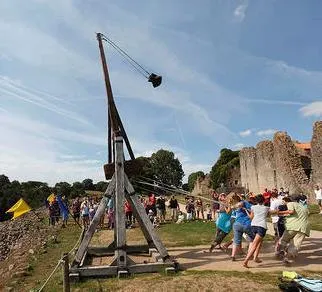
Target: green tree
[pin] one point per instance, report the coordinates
(101, 186)
(63, 188)
(77, 190)
(88, 184)
(192, 179)
(219, 172)
(166, 168)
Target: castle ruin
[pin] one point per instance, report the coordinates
(283, 162)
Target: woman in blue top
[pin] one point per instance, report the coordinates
(223, 226)
(241, 225)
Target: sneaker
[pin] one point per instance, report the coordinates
(233, 259)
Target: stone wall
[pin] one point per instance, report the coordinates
(248, 168)
(279, 163)
(202, 186)
(316, 153)
(265, 166)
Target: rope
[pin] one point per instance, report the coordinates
(61, 261)
(52, 273)
(122, 52)
(171, 188)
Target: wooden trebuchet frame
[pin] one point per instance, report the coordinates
(120, 188)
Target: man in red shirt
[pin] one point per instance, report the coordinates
(267, 197)
(151, 203)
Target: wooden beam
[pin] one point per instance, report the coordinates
(95, 271)
(92, 227)
(120, 230)
(99, 251)
(143, 219)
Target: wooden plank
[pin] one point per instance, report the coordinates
(99, 251)
(149, 268)
(96, 271)
(144, 220)
(120, 229)
(92, 227)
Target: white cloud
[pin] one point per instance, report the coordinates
(313, 109)
(238, 146)
(267, 132)
(14, 89)
(274, 102)
(240, 11)
(245, 133)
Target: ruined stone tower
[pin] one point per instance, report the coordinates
(283, 163)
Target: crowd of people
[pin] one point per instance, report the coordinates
(247, 216)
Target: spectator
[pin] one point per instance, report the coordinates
(128, 214)
(174, 206)
(318, 196)
(199, 209)
(161, 210)
(76, 210)
(209, 212)
(267, 197)
(85, 212)
(190, 207)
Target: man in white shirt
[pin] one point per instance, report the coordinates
(318, 195)
(276, 201)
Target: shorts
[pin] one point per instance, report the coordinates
(76, 215)
(319, 202)
(239, 229)
(259, 230)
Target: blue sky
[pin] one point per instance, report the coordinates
(233, 73)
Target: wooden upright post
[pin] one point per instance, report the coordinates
(120, 230)
(66, 284)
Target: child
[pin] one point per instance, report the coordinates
(190, 207)
(209, 212)
(180, 218)
(151, 215)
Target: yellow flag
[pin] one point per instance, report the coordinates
(51, 198)
(21, 207)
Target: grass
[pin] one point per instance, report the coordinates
(44, 260)
(186, 281)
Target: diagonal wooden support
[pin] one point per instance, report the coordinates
(92, 227)
(143, 219)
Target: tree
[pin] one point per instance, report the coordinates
(166, 168)
(219, 172)
(101, 186)
(63, 188)
(185, 187)
(77, 190)
(192, 179)
(4, 181)
(88, 184)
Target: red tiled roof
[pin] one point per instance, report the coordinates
(303, 145)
